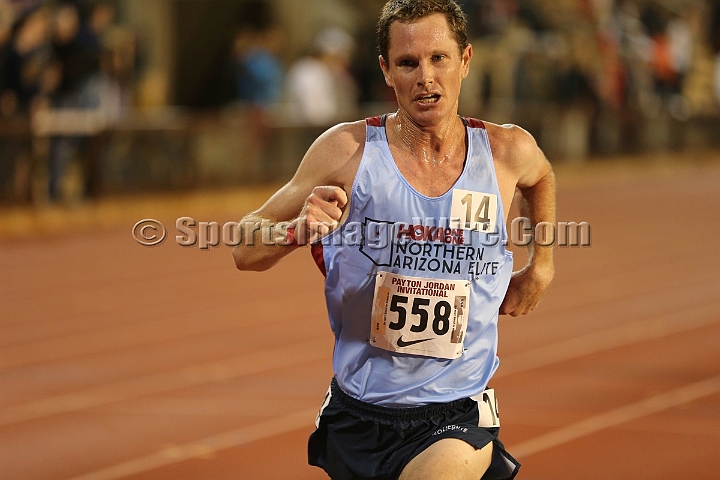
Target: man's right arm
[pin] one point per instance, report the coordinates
(307, 207)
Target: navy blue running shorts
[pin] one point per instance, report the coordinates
(355, 440)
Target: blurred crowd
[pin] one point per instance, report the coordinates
(592, 66)
(584, 76)
(62, 54)
(626, 56)
(65, 56)
(317, 88)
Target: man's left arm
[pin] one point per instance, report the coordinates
(536, 185)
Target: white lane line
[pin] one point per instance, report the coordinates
(251, 363)
(128, 334)
(619, 336)
(592, 343)
(205, 447)
(613, 418)
(314, 350)
(251, 433)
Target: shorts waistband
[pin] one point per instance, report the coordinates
(421, 412)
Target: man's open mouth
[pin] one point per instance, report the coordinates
(428, 98)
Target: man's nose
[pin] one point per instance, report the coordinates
(426, 75)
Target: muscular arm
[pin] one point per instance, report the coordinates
(527, 286)
(525, 166)
(312, 202)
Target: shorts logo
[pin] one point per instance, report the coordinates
(402, 343)
(450, 428)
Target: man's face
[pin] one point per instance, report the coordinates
(425, 68)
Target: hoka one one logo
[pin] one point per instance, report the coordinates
(426, 233)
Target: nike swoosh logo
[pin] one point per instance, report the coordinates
(401, 343)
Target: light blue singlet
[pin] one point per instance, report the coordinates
(393, 229)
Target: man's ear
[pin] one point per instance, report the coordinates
(384, 68)
(466, 57)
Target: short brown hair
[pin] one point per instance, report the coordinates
(410, 10)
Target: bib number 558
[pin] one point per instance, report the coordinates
(420, 309)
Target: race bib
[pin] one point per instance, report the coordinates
(474, 210)
(419, 316)
(488, 408)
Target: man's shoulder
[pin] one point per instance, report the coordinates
(509, 142)
(334, 156)
(343, 135)
(355, 128)
(508, 133)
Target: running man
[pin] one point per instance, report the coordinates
(406, 216)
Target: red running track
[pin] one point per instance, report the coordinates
(125, 362)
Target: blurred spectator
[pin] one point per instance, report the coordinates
(665, 76)
(72, 63)
(573, 86)
(72, 66)
(627, 71)
(508, 65)
(368, 76)
(613, 76)
(23, 57)
(320, 88)
(256, 82)
(99, 22)
(7, 19)
(670, 52)
(717, 78)
(255, 72)
(490, 17)
(714, 26)
(7, 152)
(112, 50)
(258, 71)
(84, 70)
(714, 35)
(680, 40)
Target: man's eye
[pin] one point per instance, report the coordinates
(437, 58)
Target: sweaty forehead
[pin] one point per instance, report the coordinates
(428, 32)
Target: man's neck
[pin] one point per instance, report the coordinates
(436, 144)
